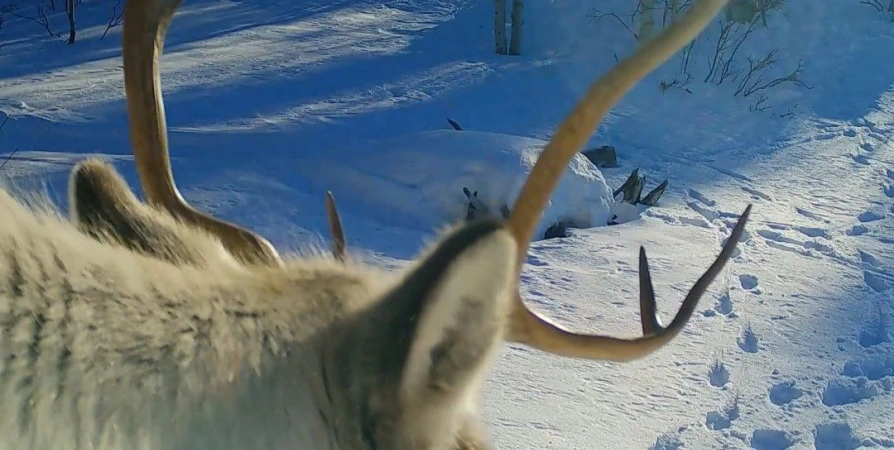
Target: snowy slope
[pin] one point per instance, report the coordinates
(271, 102)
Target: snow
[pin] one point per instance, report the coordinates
(271, 103)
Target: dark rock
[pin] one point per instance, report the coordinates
(604, 156)
(632, 188)
(651, 199)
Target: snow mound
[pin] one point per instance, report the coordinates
(419, 178)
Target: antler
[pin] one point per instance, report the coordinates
(335, 229)
(527, 327)
(145, 25)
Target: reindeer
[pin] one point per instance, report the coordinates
(154, 326)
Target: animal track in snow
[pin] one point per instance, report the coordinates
(718, 375)
(877, 281)
(669, 440)
(844, 391)
(868, 258)
(857, 230)
(701, 197)
(811, 215)
(784, 393)
(709, 214)
(705, 207)
(723, 419)
(860, 159)
(724, 304)
(869, 216)
(876, 331)
(873, 368)
(748, 282)
(731, 173)
(767, 439)
(835, 436)
(534, 260)
(748, 341)
(813, 232)
(756, 194)
(776, 239)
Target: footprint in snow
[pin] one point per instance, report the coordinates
(835, 436)
(860, 159)
(534, 260)
(784, 392)
(756, 194)
(770, 439)
(669, 440)
(748, 341)
(718, 375)
(877, 281)
(724, 304)
(811, 215)
(748, 282)
(876, 330)
(845, 391)
(873, 368)
(869, 216)
(857, 230)
(723, 419)
(813, 232)
(701, 197)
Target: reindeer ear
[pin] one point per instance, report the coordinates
(103, 207)
(448, 314)
(100, 200)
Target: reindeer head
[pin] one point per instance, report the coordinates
(460, 259)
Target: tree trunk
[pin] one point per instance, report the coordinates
(518, 20)
(71, 21)
(500, 26)
(647, 19)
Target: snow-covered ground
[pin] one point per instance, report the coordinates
(272, 102)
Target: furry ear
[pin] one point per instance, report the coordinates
(100, 202)
(448, 318)
(103, 207)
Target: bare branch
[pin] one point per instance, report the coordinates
(115, 19)
(721, 45)
(760, 104)
(597, 15)
(754, 79)
(41, 20)
(725, 71)
(877, 4)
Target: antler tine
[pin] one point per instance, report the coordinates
(648, 309)
(335, 229)
(555, 340)
(647, 293)
(526, 326)
(145, 25)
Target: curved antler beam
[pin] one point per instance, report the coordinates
(145, 25)
(527, 327)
